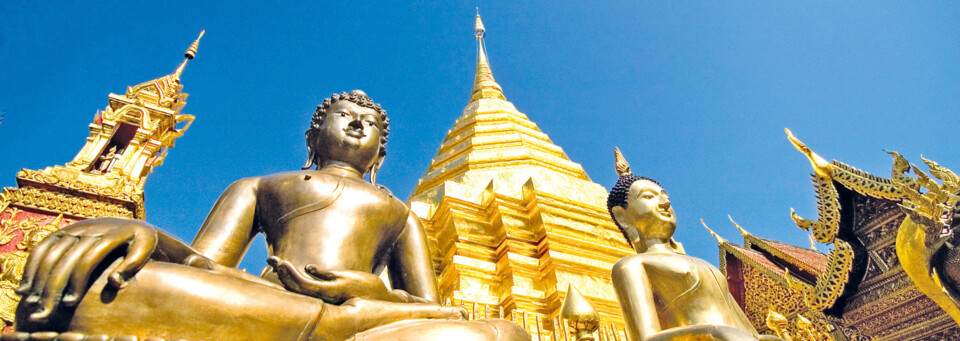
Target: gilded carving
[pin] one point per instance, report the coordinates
(69, 179)
(831, 282)
(799, 328)
(63, 203)
(827, 225)
(32, 230)
(866, 183)
(880, 297)
(869, 210)
(763, 293)
(928, 229)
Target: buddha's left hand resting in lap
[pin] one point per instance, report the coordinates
(663, 293)
(328, 232)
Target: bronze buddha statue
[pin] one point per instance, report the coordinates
(329, 233)
(663, 293)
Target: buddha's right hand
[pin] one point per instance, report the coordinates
(60, 266)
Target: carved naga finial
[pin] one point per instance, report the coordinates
(623, 168)
(742, 230)
(898, 172)
(719, 239)
(951, 182)
(820, 165)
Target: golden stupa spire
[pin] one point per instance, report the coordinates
(484, 86)
(191, 52)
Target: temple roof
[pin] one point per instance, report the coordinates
(805, 259)
(166, 92)
(753, 258)
(799, 256)
(744, 253)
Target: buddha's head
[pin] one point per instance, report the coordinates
(349, 128)
(640, 208)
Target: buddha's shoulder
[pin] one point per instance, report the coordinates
(287, 176)
(280, 180)
(631, 261)
(650, 259)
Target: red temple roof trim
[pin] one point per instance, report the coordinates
(804, 258)
(754, 258)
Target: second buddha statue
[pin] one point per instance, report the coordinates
(663, 293)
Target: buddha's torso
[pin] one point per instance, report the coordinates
(335, 222)
(689, 291)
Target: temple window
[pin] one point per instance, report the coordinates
(114, 149)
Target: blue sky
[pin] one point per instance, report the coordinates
(696, 94)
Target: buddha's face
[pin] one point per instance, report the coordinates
(351, 134)
(648, 211)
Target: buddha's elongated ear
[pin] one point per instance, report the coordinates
(310, 156)
(630, 232)
(619, 215)
(311, 153)
(677, 246)
(374, 169)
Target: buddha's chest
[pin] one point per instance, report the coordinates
(675, 276)
(325, 197)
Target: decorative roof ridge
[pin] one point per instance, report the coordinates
(855, 179)
(765, 266)
(831, 283)
(775, 249)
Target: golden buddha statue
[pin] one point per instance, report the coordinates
(663, 293)
(329, 233)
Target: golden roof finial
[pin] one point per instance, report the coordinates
(820, 165)
(813, 242)
(579, 314)
(484, 86)
(190, 54)
(720, 239)
(742, 230)
(623, 168)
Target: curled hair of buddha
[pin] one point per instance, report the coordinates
(358, 97)
(618, 196)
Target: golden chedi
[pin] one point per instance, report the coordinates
(665, 294)
(512, 220)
